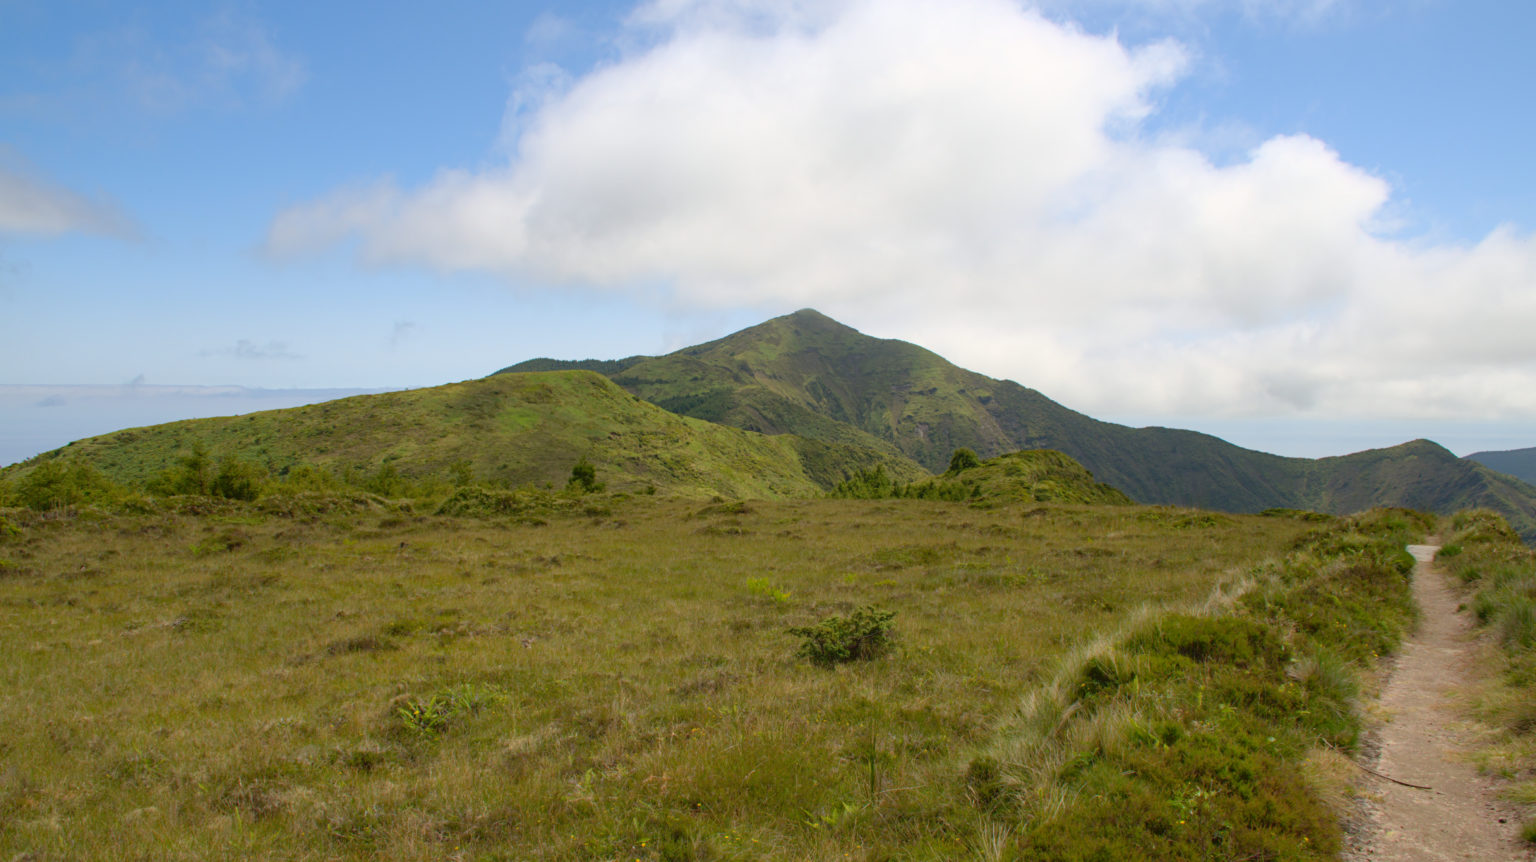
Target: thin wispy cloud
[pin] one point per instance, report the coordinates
(247, 349)
(224, 60)
(402, 332)
(30, 204)
(981, 179)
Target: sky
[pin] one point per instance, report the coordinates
(1303, 225)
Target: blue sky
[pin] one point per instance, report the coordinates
(1305, 225)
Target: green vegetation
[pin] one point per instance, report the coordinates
(1487, 556)
(508, 431)
(862, 635)
(1520, 463)
(1038, 476)
(962, 459)
(498, 620)
(808, 375)
(332, 674)
(1181, 737)
(57, 485)
(584, 478)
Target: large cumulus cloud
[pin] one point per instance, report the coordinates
(979, 178)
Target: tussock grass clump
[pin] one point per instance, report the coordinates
(435, 713)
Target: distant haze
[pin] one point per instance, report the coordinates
(36, 419)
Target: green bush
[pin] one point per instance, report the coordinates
(238, 480)
(526, 504)
(873, 484)
(860, 636)
(386, 482)
(56, 484)
(963, 459)
(584, 478)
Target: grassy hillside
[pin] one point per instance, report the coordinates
(807, 374)
(1057, 682)
(1520, 463)
(810, 375)
(512, 429)
(1419, 475)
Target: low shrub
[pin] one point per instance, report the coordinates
(525, 504)
(584, 478)
(238, 480)
(56, 484)
(860, 636)
(962, 459)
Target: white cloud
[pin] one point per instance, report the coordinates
(1302, 11)
(979, 179)
(31, 205)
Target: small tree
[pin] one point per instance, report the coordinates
(584, 477)
(238, 480)
(963, 459)
(55, 484)
(196, 473)
(386, 482)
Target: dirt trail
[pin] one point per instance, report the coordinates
(1460, 817)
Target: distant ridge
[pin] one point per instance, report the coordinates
(1520, 463)
(514, 429)
(605, 367)
(809, 375)
(794, 406)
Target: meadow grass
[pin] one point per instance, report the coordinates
(340, 678)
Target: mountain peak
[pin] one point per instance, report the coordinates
(811, 316)
(811, 320)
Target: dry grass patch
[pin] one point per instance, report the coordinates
(379, 684)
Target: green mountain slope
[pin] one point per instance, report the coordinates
(807, 374)
(1418, 475)
(515, 428)
(810, 375)
(1520, 463)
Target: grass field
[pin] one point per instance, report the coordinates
(342, 678)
